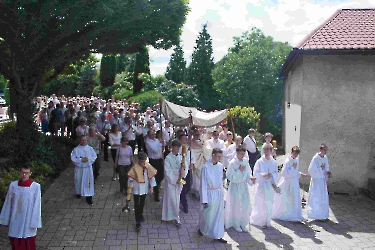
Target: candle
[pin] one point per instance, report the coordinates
(274, 143)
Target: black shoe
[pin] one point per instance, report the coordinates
(186, 210)
(142, 219)
(199, 232)
(222, 240)
(78, 196)
(89, 200)
(138, 226)
(156, 199)
(106, 160)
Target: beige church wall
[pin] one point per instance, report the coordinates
(292, 113)
(338, 108)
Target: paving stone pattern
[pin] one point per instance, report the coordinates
(71, 224)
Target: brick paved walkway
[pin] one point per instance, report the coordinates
(71, 224)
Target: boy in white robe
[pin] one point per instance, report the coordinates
(265, 170)
(83, 156)
(174, 168)
(22, 211)
(238, 207)
(142, 175)
(287, 205)
(211, 218)
(318, 201)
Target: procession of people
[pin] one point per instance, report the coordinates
(201, 161)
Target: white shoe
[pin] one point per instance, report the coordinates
(114, 178)
(238, 229)
(244, 229)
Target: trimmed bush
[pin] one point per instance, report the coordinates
(243, 119)
(146, 99)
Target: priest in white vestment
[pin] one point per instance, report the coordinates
(174, 168)
(265, 170)
(22, 211)
(211, 218)
(83, 156)
(202, 153)
(318, 201)
(238, 207)
(287, 205)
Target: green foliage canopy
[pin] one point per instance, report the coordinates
(248, 76)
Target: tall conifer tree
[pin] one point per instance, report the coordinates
(199, 72)
(176, 66)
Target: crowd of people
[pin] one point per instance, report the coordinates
(196, 160)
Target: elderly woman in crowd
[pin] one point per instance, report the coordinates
(82, 129)
(123, 162)
(94, 139)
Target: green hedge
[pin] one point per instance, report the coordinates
(243, 119)
(146, 99)
(51, 155)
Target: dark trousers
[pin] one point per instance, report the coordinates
(185, 190)
(96, 166)
(139, 204)
(105, 147)
(158, 165)
(141, 143)
(252, 159)
(132, 144)
(113, 154)
(123, 174)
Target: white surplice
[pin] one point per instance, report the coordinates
(201, 155)
(318, 201)
(83, 174)
(264, 192)
(287, 205)
(22, 210)
(172, 190)
(142, 188)
(238, 207)
(211, 219)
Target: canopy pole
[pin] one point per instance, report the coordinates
(191, 151)
(231, 119)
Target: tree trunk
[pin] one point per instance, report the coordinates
(26, 128)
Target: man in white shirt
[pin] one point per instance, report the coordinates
(251, 148)
(128, 131)
(22, 211)
(155, 155)
(115, 119)
(215, 142)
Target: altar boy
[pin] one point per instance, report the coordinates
(22, 211)
(265, 170)
(174, 168)
(238, 208)
(142, 174)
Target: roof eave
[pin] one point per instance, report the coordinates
(293, 55)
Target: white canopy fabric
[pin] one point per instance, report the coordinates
(179, 115)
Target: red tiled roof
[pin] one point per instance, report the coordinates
(345, 29)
